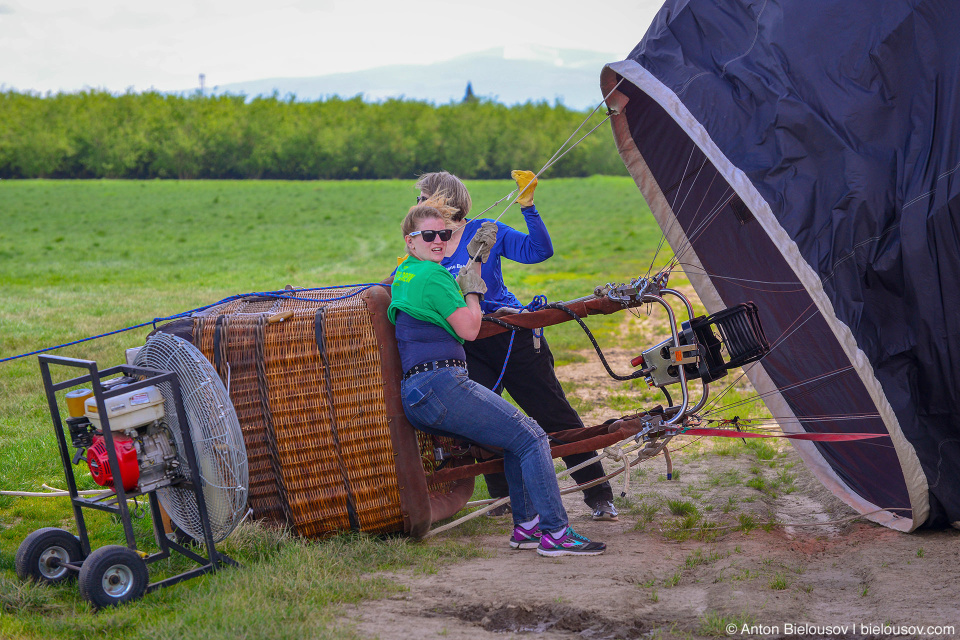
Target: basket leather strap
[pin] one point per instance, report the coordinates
(318, 324)
(263, 391)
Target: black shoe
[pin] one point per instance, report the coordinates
(606, 511)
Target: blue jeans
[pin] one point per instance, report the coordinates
(448, 403)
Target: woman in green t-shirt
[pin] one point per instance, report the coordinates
(434, 314)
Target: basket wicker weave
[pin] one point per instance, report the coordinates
(316, 389)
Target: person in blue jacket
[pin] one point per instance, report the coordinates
(530, 377)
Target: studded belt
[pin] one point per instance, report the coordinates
(435, 364)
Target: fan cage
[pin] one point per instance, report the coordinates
(214, 431)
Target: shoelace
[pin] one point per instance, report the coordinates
(569, 533)
(576, 536)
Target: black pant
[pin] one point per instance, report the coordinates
(532, 382)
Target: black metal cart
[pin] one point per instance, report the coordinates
(113, 574)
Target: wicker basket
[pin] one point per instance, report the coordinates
(316, 388)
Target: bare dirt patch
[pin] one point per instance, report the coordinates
(743, 535)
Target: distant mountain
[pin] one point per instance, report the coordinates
(509, 75)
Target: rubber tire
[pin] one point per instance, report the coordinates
(123, 571)
(52, 543)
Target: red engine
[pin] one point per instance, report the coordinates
(100, 464)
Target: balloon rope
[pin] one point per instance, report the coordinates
(773, 347)
(697, 229)
(690, 266)
(558, 154)
(713, 409)
(285, 294)
(796, 385)
(663, 234)
(700, 229)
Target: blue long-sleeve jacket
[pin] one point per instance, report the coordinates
(527, 248)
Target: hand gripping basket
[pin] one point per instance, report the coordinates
(316, 387)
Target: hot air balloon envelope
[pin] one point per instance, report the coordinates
(805, 156)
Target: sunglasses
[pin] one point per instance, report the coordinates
(422, 199)
(429, 235)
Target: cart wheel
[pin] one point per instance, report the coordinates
(113, 575)
(42, 554)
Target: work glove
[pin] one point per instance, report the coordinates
(470, 281)
(524, 178)
(482, 241)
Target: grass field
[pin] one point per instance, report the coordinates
(83, 258)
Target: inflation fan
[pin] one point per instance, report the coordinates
(162, 427)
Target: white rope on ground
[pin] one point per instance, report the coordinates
(625, 450)
(469, 516)
(45, 494)
(494, 503)
(52, 492)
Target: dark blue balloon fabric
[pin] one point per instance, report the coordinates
(845, 118)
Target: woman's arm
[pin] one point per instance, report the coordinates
(527, 248)
(466, 320)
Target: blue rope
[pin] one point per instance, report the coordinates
(538, 302)
(261, 294)
(496, 385)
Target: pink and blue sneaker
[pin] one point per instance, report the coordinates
(525, 538)
(570, 543)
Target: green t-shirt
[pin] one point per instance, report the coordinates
(426, 291)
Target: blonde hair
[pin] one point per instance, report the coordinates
(441, 183)
(432, 207)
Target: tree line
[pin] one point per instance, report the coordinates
(95, 134)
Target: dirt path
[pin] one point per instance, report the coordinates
(689, 557)
(649, 585)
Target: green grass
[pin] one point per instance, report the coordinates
(698, 558)
(681, 507)
(287, 588)
(646, 513)
(83, 258)
(779, 581)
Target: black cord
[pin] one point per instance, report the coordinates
(498, 321)
(586, 329)
(667, 394)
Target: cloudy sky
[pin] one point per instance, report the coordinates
(69, 45)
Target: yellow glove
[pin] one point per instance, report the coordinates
(524, 178)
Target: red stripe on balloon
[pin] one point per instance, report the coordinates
(820, 437)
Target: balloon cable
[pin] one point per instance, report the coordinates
(281, 295)
(558, 154)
